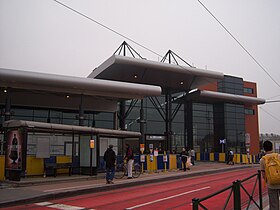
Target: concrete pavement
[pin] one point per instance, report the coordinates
(38, 189)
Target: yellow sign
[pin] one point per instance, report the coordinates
(142, 147)
(91, 144)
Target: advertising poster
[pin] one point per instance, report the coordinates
(14, 150)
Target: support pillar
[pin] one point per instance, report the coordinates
(142, 123)
(81, 112)
(122, 115)
(168, 119)
(7, 116)
(115, 121)
(188, 124)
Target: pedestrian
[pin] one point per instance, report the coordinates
(129, 157)
(192, 156)
(273, 189)
(230, 157)
(184, 158)
(110, 159)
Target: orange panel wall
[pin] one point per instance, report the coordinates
(251, 121)
(211, 86)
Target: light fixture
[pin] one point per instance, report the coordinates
(182, 82)
(135, 76)
(5, 91)
(67, 96)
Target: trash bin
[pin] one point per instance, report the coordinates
(14, 175)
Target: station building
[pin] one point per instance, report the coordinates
(125, 100)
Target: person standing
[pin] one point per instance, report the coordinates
(129, 157)
(273, 189)
(184, 158)
(192, 156)
(110, 159)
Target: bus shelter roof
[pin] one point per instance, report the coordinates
(73, 129)
(76, 85)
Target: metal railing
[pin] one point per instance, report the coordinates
(236, 190)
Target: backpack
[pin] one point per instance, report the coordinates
(272, 169)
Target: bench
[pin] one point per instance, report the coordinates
(55, 166)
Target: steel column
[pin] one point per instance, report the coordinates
(142, 123)
(122, 115)
(168, 119)
(81, 112)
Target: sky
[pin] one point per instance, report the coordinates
(43, 36)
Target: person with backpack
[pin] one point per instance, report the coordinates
(129, 157)
(270, 168)
(110, 159)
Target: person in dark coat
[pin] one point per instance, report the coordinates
(110, 159)
(184, 158)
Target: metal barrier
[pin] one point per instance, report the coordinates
(236, 189)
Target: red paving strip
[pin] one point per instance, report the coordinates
(178, 194)
(129, 197)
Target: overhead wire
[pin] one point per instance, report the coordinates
(133, 41)
(271, 115)
(108, 28)
(124, 36)
(239, 43)
(152, 51)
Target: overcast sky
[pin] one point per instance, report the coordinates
(43, 36)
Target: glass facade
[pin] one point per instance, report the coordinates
(233, 114)
(203, 127)
(208, 123)
(155, 123)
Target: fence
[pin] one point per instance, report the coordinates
(234, 198)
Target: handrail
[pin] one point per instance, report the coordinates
(236, 192)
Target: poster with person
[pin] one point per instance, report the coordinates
(14, 150)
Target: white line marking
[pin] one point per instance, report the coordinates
(76, 187)
(59, 206)
(65, 207)
(44, 203)
(166, 198)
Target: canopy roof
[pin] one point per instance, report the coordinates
(206, 96)
(60, 128)
(168, 76)
(76, 85)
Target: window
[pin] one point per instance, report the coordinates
(248, 90)
(250, 111)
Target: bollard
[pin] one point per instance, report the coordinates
(195, 202)
(260, 188)
(236, 195)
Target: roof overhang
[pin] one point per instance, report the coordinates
(76, 85)
(205, 96)
(168, 76)
(60, 128)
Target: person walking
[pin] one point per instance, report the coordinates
(110, 159)
(230, 157)
(129, 157)
(184, 158)
(273, 189)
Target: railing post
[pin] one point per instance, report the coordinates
(195, 202)
(236, 195)
(260, 188)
